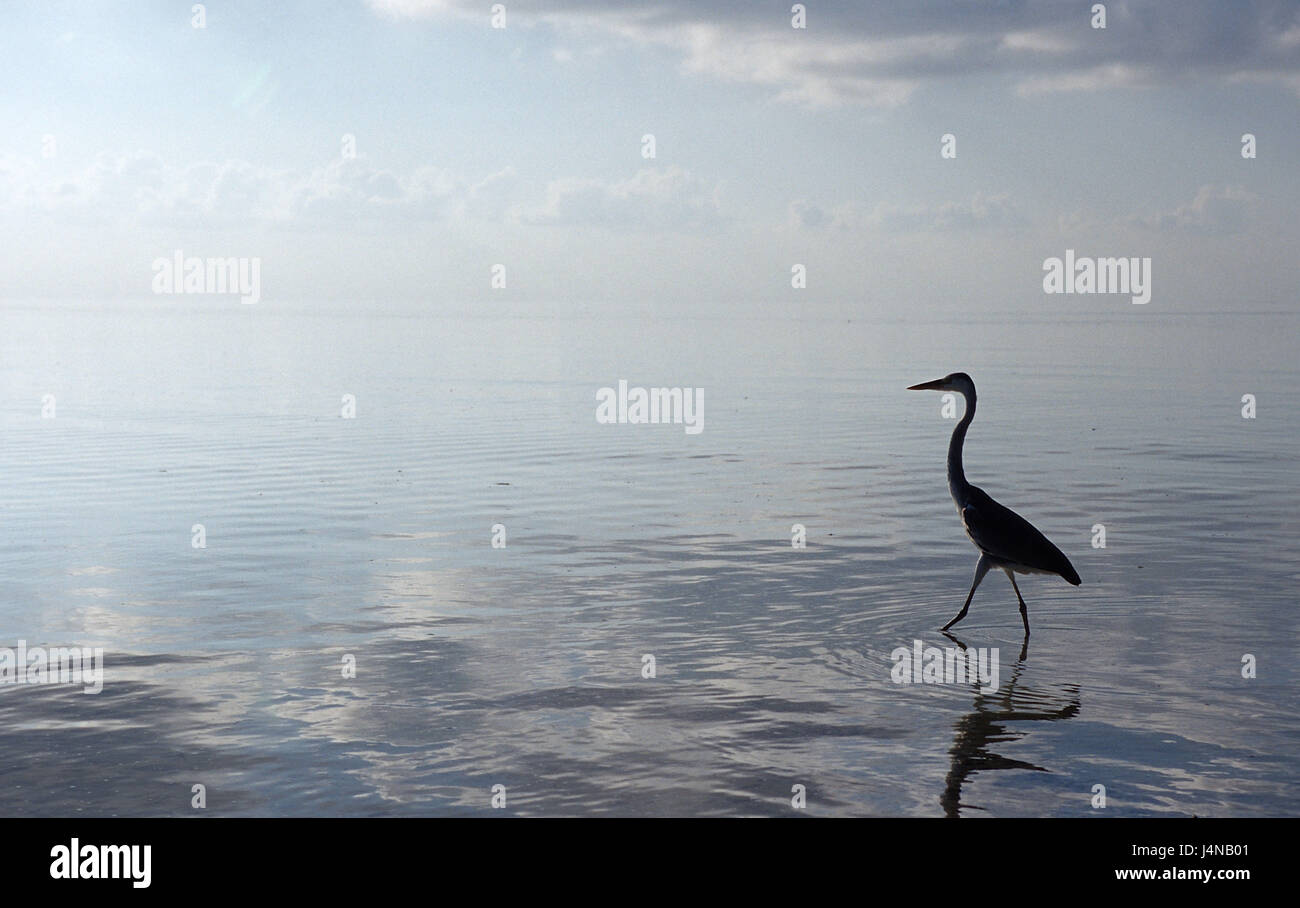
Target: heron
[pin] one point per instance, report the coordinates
(1005, 539)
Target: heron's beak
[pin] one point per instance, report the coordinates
(936, 385)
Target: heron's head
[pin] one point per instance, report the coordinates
(953, 381)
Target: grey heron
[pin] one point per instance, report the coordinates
(1005, 539)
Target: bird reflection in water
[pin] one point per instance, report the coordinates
(986, 725)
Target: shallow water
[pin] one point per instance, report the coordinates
(522, 666)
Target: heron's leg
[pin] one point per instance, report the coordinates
(981, 568)
(1024, 611)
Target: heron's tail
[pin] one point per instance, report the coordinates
(1070, 574)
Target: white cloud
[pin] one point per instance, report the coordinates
(141, 188)
(411, 9)
(1215, 209)
(660, 198)
(1037, 41)
(1111, 75)
(979, 211)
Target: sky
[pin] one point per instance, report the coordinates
(132, 133)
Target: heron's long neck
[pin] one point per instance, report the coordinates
(957, 483)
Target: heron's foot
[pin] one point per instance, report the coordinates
(960, 615)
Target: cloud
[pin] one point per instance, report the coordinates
(1215, 209)
(659, 198)
(353, 190)
(411, 9)
(1289, 81)
(978, 212)
(806, 214)
(140, 188)
(877, 53)
(1112, 75)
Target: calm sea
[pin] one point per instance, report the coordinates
(367, 541)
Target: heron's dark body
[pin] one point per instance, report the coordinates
(1010, 540)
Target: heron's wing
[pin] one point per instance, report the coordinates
(1007, 536)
